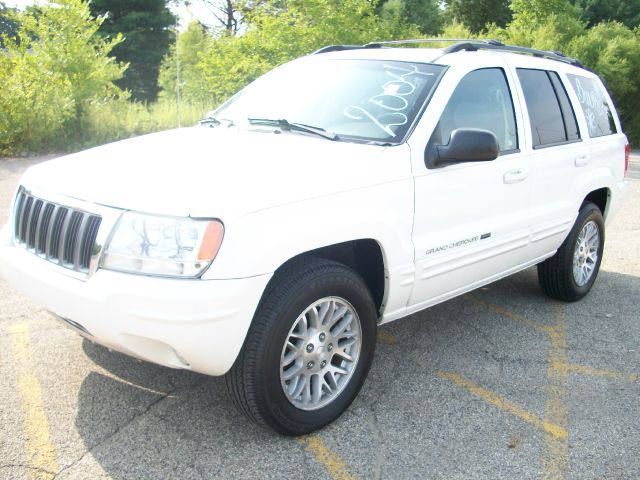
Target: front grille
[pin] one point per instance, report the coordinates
(59, 234)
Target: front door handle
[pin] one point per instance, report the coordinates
(516, 175)
(582, 161)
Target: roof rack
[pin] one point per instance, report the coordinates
(475, 45)
(339, 48)
(432, 40)
(460, 44)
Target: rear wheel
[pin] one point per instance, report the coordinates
(572, 271)
(308, 350)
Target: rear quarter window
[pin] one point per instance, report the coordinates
(596, 109)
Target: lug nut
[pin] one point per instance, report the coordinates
(330, 347)
(322, 337)
(310, 348)
(323, 364)
(310, 365)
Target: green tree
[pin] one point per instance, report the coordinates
(52, 74)
(456, 29)
(425, 14)
(477, 14)
(529, 13)
(623, 11)
(229, 15)
(8, 25)
(192, 43)
(145, 26)
(276, 32)
(552, 33)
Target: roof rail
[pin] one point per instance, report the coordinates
(460, 44)
(338, 48)
(474, 45)
(432, 40)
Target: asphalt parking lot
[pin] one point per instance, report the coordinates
(501, 383)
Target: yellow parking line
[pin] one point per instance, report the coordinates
(555, 457)
(601, 372)
(335, 466)
(387, 338)
(39, 449)
(502, 311)
(496, 400)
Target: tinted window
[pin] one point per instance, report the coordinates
(594, 105)
(481, 100)
(568, 115)
(545, 115)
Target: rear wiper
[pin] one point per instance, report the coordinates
(213, 120)
(293, 126)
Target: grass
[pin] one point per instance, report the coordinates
(100, 122)
(110, 121)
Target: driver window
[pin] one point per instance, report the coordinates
(481, 100)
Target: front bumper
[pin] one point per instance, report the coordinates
(193, 324)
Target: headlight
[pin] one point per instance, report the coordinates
(154, 245)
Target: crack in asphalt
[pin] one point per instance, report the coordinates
(118, 429)
(28, 467)
(381, 455)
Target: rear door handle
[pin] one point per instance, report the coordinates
(516, 175)
(582, 161)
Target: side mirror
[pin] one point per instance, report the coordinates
(465, 145)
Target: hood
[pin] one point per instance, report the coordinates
(217, 172)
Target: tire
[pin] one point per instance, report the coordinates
(283, 345)
(570, 273)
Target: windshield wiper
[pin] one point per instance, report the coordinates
(293, 126)
(213, 120)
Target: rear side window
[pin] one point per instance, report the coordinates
(594, 105)
(552, 118)
(481, 100)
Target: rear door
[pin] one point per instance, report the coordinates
(560, 159)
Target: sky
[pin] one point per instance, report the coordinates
(186, 14)
(17, 3)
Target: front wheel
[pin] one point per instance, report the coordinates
(572, 271)
(308, 350)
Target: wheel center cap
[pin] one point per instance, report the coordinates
(318, 352)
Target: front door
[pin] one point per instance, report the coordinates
(471, 219)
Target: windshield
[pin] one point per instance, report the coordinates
(357, 100)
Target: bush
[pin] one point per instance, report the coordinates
(51, 74)
(612, 51)
(192, 44)
(113, 120)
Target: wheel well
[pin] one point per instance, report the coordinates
(364, 256)
(600, 197)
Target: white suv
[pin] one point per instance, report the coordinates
(341, 191)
